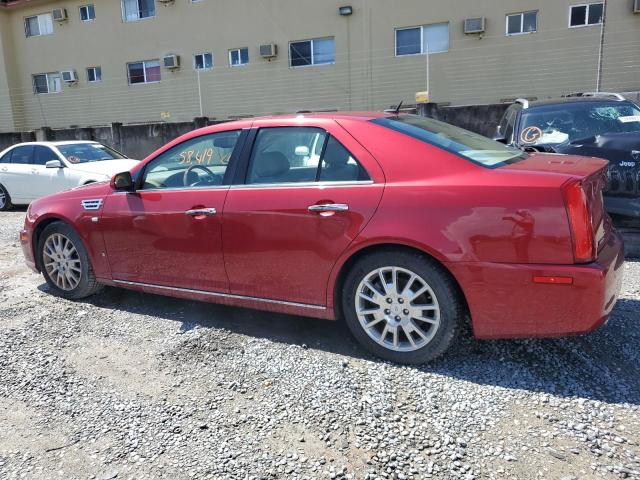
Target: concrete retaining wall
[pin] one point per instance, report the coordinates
(482, 119)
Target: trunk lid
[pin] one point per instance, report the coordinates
(591, 172)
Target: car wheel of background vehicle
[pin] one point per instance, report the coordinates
(402, 306)
(5, 199)
(65, 262)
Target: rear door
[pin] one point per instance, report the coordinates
(17, 175)
(304, 192)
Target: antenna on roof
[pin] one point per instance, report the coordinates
(397, 110)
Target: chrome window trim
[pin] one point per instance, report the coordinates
(217, 294)
(303, 184)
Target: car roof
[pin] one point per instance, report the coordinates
(55, 144)
(567, 100)
(364, 116)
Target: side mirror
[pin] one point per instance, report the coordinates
(122, 182)
(53, 164)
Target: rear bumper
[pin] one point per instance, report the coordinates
(505, 303)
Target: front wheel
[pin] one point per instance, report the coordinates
(65, 263)
(402, 306)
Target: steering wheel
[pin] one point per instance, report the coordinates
(214, 179)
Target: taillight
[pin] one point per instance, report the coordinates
(575, 200)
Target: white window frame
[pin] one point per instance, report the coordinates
(521, 32)
(144, 69)
(312, 40)
(38, 17)
(240, 57)
(139, 19)
(86, 6)
(586, 15)
(94, 74)
(421, 27)
(47, 75)
(205, 69)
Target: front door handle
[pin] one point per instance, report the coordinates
(4, 169)
(329, 207)
(201, 211)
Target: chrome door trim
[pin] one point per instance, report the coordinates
(201, 211)
(329, 207)
(217, 294)
(302, 185)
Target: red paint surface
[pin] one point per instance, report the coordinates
(493, 229)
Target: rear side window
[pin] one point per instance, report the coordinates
(468, 145)
(6, 158)
(22, 154)
(301, 155)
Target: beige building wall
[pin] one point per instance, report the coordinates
(366, 74)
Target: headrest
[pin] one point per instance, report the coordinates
(271, 164)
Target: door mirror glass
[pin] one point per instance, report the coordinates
(53, 164)
(122, 182)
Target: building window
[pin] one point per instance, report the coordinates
(47, 83)
(318, 51)
(134, 10)
(94, 74)
(589, 14)
(38, 25)
(144, 72)
(203, 61)
(238, 57)
(520, 23)
(432, 38)
(87, 13)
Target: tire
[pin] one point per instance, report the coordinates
(75, 280)
(5, 199)
(416, 341)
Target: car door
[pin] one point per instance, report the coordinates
(17, 175)
(43, 179)
(168, 232)
(292, 212)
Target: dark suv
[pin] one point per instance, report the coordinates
(604, 125)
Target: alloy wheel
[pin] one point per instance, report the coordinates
(62, 261)
(397, 308)
(3, 199)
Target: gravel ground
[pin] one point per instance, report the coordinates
(131, 386)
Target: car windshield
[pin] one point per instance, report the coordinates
(566, 123)
(88, 152)
(471, 146)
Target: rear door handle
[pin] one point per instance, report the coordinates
(201, 211)
(329, 207)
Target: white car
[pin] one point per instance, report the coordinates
(35, 169)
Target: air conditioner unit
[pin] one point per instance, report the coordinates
(166, 2)
(636, 6)
(474, 25)
(59, 14)
(171, 61)
(268, 50)
(69, 76)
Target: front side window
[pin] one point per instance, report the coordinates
(47, 83)
(432, 38)
(42, 155)
(466, 144)
(589, 14)
(134, 10)
(197, 163)
(238, 57)
(38, 25)
(88, 152)
(144, 72)
(520, 23)
(94, 74)
(203, 61)
(300, 155)
(87, 13)
(318, 51)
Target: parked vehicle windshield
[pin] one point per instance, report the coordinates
(88, 152)
(569, 122)
(469, 145)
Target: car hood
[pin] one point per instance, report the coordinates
(106, 167)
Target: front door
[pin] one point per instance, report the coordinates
(304, 199)
(168, 232)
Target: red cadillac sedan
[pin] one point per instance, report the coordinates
(404, 226)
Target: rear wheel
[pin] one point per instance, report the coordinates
(5, 199)
(65, 262)
(402, 306)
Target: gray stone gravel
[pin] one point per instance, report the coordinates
(128, 385)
